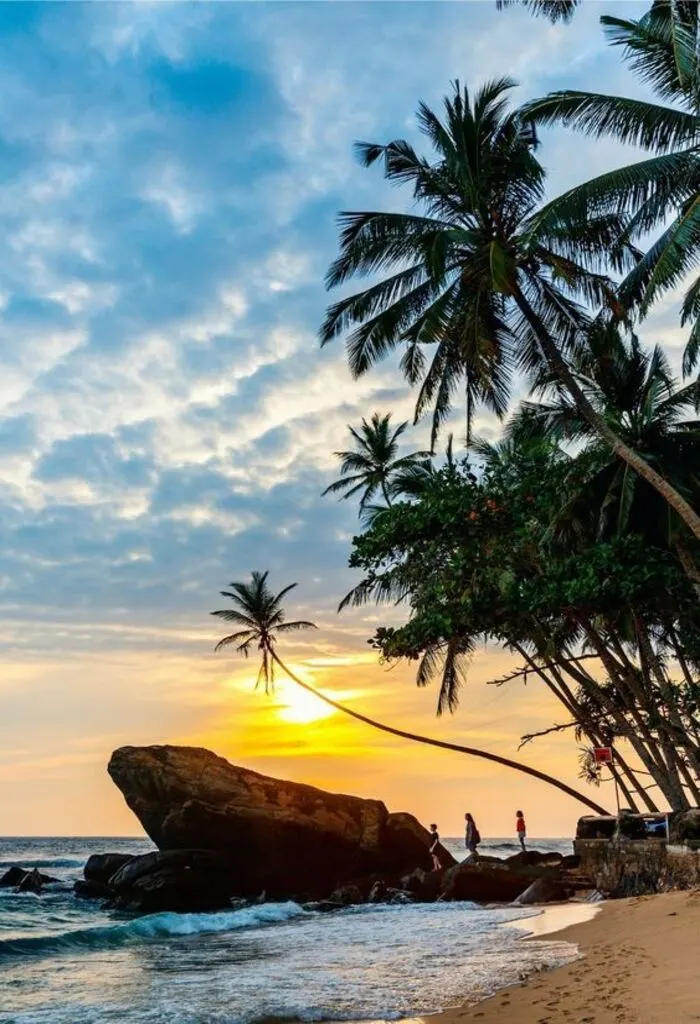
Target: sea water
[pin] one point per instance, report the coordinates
(64, 960)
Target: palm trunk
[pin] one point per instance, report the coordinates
(473, 752)
(559, 366)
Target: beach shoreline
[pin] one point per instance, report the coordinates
(637, 964)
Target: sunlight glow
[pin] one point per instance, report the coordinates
(299, 707)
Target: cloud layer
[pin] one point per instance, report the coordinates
(167, 420)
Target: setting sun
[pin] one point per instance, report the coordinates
(299, 707)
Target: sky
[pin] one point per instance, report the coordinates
(171, 179)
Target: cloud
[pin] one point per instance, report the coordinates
(167, 420)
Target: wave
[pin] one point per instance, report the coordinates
(151, 928)
(56, 862)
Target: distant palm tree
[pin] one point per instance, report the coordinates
(663, 191)
(374, 464)
(553, 10)
(260, 614)
(262, 617)
(475, 276)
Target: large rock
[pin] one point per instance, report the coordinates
(484, 881)
(25, 879)
(178, 880)
(280, 837)
(543, 890)
(101, 866)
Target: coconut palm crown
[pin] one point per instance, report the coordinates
(374, 466)
(260, 614)
(661, 192)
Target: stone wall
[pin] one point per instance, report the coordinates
(622, 859)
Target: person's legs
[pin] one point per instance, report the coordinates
(437, 866)
(521, 836)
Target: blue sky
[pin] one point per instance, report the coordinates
(167, 421)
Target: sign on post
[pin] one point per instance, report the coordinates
(603, 755)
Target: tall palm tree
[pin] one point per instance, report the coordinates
(374, 465)
(552, 10)
(476, 276)
(261, 614)
(663, 49)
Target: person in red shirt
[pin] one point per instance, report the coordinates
(520, 827)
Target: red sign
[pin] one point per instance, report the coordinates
(603, 755)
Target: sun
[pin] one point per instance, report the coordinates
(299, 707)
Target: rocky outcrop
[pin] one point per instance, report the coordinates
(280, 837)
(25, 879)
(97, 872)
(484, 880)
(176, 880)
(543, 890)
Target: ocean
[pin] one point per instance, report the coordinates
(67, 961)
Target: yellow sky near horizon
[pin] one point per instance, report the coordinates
(56, 782)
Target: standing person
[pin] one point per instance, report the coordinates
(520, 828)
(435, 848)
(471, 834)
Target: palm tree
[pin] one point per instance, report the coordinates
(261, 614)
(374, 465)
(552, 10)
(635, 391)
(663, 49)
(476, 275)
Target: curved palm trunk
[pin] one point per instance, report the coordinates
(559, 366)
(472, 751)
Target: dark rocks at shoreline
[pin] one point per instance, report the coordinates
(25, 879)
(276, 836)
(175, 880)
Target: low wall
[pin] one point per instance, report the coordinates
(621, 867)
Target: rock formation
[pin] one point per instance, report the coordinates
(283, 838)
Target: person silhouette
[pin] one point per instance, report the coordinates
(521, 828)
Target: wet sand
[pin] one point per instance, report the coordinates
(639, 963)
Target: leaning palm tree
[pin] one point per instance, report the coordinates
(662, 192)
(374, 465)
(260, 614)
(475, 276)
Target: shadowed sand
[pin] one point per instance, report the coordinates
(639, 965)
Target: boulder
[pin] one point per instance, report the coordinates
(484, 881)
(423, 885)
(347, 895)
(32, 882)
(101, 866)
(12, 877)
(282, 837)
(532, 858)
(15, 876)
(177, 880)
(91, 890)
(543, 890)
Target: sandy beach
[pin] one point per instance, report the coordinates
(638, 965)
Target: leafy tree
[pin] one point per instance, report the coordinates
(261, 614)
(478, 561)
(374, 465)
(477, 275)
